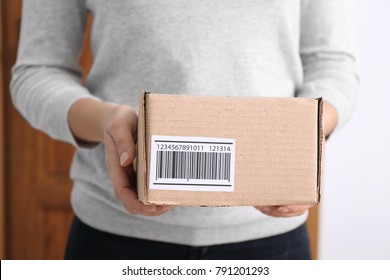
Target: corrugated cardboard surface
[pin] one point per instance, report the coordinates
(278, 146)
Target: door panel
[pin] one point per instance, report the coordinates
(38, 185)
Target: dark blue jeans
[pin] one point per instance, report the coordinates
(88, 243)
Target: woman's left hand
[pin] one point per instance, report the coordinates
(284, 211)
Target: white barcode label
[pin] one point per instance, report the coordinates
(192, 163)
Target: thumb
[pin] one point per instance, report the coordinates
(122, 128)
(126, 150)
(125, 144)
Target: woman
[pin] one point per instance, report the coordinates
(257, 48)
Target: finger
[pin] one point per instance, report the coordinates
(284, 211)
(124, 142)
(290, 209)
(117, 173)
(120, 181)
(123, 190)
(265, 209)
(131, 175)
(135, 207)
(277, 214)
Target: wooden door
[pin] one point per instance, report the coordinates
(2, 153)
(37, 183)
(38, 212)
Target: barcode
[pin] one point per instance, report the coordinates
(193, 165)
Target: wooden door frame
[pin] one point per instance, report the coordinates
(2, 141)
(312, 224)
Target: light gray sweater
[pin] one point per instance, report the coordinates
(220, 47)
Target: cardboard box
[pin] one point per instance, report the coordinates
(228, 151)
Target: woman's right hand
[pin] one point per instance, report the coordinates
(120, 134)
(116, 126)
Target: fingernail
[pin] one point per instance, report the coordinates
(124, 157)
(284, 210)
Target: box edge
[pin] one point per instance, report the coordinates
(141, 151)
(320, 138)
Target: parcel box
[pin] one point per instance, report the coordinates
(227, 151)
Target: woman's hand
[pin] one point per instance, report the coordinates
(116, 126)
(285, 211)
